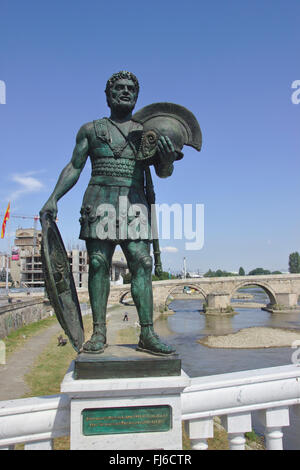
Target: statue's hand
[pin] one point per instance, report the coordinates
(166, 150)
(50, 207)
(158, 271)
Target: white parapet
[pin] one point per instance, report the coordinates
(238, 392)
(34, 420)
(233, 397)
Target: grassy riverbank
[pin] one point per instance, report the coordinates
(19, 337)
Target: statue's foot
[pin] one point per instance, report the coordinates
(96, 344)
(151, 343)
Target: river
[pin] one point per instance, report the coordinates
(188, 324)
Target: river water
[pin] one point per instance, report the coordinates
(187, 325)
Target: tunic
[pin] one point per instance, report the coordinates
(114, 205)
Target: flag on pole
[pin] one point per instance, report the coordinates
(6, 217)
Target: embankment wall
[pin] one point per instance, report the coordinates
(17, 314)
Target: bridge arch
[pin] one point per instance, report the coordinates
(263, 285)
(188, 284)
(123, 295)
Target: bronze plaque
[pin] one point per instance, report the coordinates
(134, 419)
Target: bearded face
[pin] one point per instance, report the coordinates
(122, 96)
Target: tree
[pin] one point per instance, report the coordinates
(258, 272)
(163, 277)
(294, 262)
(3, 276)
(209, 273)
(241, 272)
(218, 273)
(127, 278)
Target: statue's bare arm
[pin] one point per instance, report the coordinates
(70, 174)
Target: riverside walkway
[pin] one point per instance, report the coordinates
(20, 362)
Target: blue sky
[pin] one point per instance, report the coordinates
(231, 63)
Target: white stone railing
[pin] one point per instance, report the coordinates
(34, 421)
(233, 397)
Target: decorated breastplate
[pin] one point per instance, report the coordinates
(112, 152)
(110, 136)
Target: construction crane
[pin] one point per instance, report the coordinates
(34, 217)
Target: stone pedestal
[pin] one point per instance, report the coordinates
(123, 361)
(125, 413)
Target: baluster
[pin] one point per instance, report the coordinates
(274, 419)
(236, 441)
(46, 444)
(199, 430)
(274, 438)
(236, 425)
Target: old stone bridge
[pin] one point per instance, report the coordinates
(283, 290)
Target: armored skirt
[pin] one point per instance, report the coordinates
(115, 209)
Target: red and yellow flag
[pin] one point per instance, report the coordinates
(6, 217)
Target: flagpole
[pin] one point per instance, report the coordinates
(7, 257)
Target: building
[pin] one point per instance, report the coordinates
(3, 261)
(119, 266)
(3, 267)
(26, 263)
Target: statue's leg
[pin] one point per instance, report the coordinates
(100, 255)
(140, 266)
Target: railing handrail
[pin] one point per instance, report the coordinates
(238, 392)
(233, 394)
(243, 377)
(34, 419)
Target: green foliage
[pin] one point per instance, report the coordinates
(3, 276)
(294, 262)
(258, 272)
(18, 337)
(241, 272)
(229, 309)
(218, 273)
(252, 437)
(127, 278)
(164, 276)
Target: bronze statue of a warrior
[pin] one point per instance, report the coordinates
(121, 148)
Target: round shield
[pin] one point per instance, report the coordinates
(59, 282)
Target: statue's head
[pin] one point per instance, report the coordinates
(122, 91)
